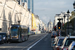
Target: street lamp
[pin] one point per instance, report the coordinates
(74, 4)
(19, 20)
(64, 18)
(68, 20)
(74, 18)
(61, 23)
(64, 21)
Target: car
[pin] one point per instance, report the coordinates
(1, 39)
(56, 40)
(52, 42)
(71, 46)
(53, 34)
(66, 42)
(58, 43)
(4, 36)
(32, 32)
(50, 31)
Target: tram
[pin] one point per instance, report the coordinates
(19, 33)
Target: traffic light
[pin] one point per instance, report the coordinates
(55, 28)
(59, 25)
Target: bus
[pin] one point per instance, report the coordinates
(19, 33)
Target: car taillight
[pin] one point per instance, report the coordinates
(57, 48)
(54, 36)
(65, 49)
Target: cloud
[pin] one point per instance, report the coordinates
(45, 19)
(46, 9)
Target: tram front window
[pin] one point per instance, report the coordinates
(14, 32)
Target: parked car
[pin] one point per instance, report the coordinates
(58, 43)
(52, 42)
(53, 34)
(72, 46)
(67, 41)
(50, 31)
(4, 36)
(1, 39)
(32, 32)
(55, 40)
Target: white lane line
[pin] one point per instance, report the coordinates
(36, 42)
(11, 47)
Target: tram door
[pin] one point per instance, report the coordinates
(19, 33)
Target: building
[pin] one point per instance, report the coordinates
(22, 2)
(18, 1)
(31, 5)
(11, 12)
(49, 26)
(33, 28)
(28, 5)
(37, 24)
(61, 16)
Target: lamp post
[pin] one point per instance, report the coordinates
(74, 18)
(64, 18)
(19, 19)
(68, 20)
(64, 21)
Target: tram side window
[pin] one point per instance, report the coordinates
(25, 30)
(22, 31)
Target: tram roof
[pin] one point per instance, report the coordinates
(22, 26)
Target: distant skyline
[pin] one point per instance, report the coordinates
(47, 9)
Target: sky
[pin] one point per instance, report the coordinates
(47, 9)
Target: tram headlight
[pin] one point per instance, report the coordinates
(15, 37)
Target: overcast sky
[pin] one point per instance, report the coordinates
(46, 9)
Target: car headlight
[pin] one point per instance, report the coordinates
(3, 37)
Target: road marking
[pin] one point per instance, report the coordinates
(11, 46)
(37, 42)
(30, 44)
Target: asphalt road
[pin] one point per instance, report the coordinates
(43, 44)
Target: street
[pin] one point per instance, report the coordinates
(44, 44)
(37, 25)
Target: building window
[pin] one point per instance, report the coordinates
(18, 1)
(21, 0)
(24, 0)
(23, 4)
